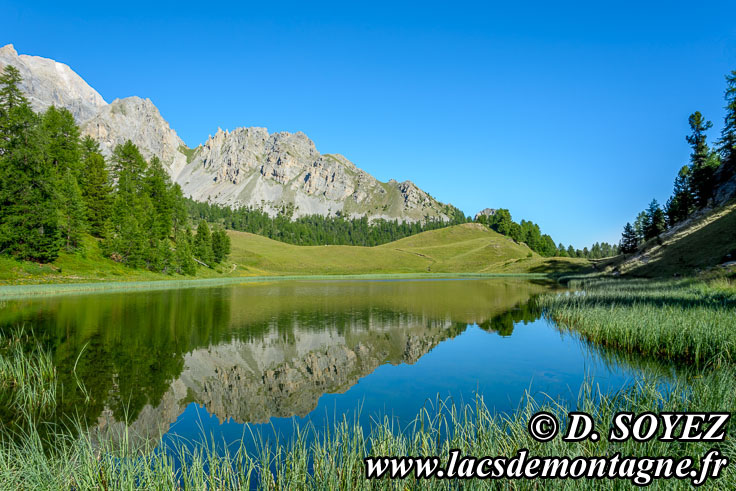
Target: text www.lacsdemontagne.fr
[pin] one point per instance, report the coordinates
(641, 471)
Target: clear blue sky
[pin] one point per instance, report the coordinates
(570, 114)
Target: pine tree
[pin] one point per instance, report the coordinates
(28, 218)
(72, 211)
(640, 225)
(680, 204)
(703, 162)
(629, 240)
(655, 223)
(158, 185)
(179, 214)
(63, 147)
(95, 185)
(220, 245)
(184, 259)
(127, 235)
(10, 94)
(203, 244)
(727, 143)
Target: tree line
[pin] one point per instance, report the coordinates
(317, 229)
(530, 234)
(696, 182)
(56, 186)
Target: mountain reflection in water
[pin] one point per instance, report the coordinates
(253, 352)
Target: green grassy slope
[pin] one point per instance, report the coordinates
(700, 243)
(467, 248)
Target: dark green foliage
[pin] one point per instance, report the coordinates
(629, 240)
(655, 222)
(10, 93)
(158, 188)
(316, 229)
(72, 211)
(146, 216)
(95, 185)
(203, 244)
(28, 219)
(641, 224)
(681, 203)
(526, 232)
(184, 259)
(125, 239)
(63, 149)
(727, 143)
(703, 162)
(220, 244)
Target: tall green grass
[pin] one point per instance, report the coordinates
(80, 458)
(27, 377)
(688, 321)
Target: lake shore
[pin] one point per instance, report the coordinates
(8, 292)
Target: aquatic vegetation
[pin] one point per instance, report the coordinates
(685, 320)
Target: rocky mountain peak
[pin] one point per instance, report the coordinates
(47, 82)
(243, 167)
(8, 50)
(138, 120)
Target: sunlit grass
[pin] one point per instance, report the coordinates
(685, 320)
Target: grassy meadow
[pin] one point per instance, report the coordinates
(467, 248)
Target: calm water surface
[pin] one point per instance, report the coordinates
(221, 361)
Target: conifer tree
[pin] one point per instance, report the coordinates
(640, 225)
(220, 245)
(63, 148)
(95, 186)
(72, 211)
(10, 94)
(629, 240)
(727, 143)
(655, 223)
(203, 244)
(126, 239)
(158, 185)
(680, 204)
(184, 259)
(28, 219)
(703, 162)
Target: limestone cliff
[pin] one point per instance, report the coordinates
(139, 121)
(279, 171)
(47, 82)
(246, 167)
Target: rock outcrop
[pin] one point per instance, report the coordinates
(47, 82)
(278, 172)
(485, 212)
(139, 121)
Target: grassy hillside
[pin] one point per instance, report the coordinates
(701, 242)
(467, 248)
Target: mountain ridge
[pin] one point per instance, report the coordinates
(278, 172)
